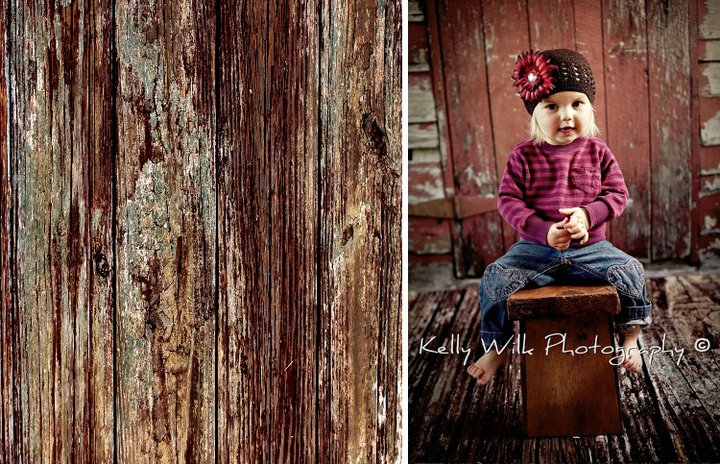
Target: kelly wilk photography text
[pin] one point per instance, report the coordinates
(557, 342)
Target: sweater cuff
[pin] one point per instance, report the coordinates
(536, 228)
(598, 212)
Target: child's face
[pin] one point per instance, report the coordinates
(564, 116)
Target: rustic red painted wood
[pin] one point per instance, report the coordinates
(708, 19)
(552, 24)
(589, 42)
(425, 181)
(506, 35)
(670, 150)
(709, 109)
(694, 124)
(627, 109)
(429, 236)
(709, 159)
(708, 50)
(471, 142)
(436, 59)
(418, 54)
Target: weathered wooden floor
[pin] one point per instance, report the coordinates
(670, 413)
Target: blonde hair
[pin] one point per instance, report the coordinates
(536, 134)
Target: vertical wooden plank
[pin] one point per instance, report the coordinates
(244, 380)
(438, 76)
(166, 232)
(698, 153)
(102, 149)
(669, 85)
(628, 134)
(360, 232)
(74, 27)
(479, 241)
(506, 36)
(9, 448)
(589, 42)
(552, 24)
(48, 155)
(292, 147)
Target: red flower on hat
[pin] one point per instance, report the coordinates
(532, 76)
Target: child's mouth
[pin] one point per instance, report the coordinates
(566, 130)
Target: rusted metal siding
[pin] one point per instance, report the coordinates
(200, 231)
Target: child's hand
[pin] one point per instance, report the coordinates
(577, 224)
(558, 237)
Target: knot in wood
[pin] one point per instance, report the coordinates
(101, 265)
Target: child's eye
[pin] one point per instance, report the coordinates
(551, 106)
(577, 104)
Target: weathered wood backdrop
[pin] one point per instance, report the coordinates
(200, 231)
(657, 68)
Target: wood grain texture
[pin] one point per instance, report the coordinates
(360, 223)
(48, 156)
(579, 392)
(165, 232)
(474, 164)
(552, 24)
(562, 300)
(200, 232)
(668, 410)
(669, 90)
(506, 36)
(9, 445)
(101, 125)
(626, 86)
(244, 269)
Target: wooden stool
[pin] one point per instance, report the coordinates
(568, 394)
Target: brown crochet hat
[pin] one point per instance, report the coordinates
(540, 74)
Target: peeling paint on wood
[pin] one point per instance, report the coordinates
(709, 50)
(424, 181)
(418, 59)
(426, 155)
(670, 146)
(474, 167)
(429, 236)
(709, 79)
(710, 121)
(421, 103)
(639, 39)
(709, 160)
(709, 185)
(415, 11)
(423, 135)
(627, 136)
(166, 232)
(709, 19)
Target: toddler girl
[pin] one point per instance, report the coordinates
(558, 191)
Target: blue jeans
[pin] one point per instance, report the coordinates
(529, 265)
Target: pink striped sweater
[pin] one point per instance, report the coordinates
(540, 179)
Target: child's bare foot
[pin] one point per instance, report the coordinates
(484, 368)
(633, 360)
